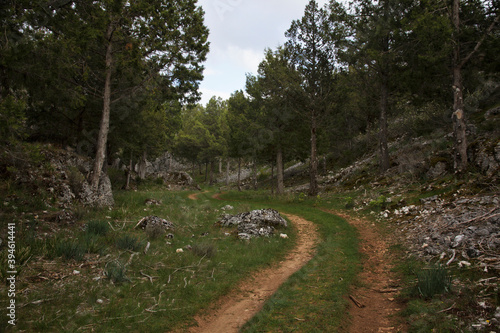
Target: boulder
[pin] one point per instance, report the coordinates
(256, 223)
(154, 221)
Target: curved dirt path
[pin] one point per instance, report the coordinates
(194, 196)
(231, 312)
(376, 297)
(373, 304)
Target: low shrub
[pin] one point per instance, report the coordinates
(433, 281)
(97, 228)
(127, 242)
(69, 249)
(204, 250)
(115, 271)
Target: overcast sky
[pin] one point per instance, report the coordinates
(240, 31)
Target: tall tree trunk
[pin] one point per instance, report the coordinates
(220, 165)
(458, 117)
(313, 165)
(254, 174)
(212, 167)
(106, 111)
(272, 177)
(129, 174)
(280, 188)
(239, 174)
(143, 166)
(383, 146)
(227, 172)
(206, 171)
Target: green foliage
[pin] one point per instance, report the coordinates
(70, 250)
(115, 271)
(379, 203)
(12, 120)
(349, 203)
(92, 243)
(96, 227)
(129, 242)
(433, 281)
(206, 250)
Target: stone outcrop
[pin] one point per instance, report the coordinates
(256, 223)
(154, 222)
(63, 174)
(165, 163)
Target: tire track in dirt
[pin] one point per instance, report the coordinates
(194, 196)
(232, 311)
(376, 295)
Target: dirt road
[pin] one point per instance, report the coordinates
(233, 311)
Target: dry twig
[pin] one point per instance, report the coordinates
(358, 304)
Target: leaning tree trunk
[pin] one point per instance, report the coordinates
(106, 111)
(280, 188)
(313, 165)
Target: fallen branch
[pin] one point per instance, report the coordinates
(40, 301)
(149, 277)
(452, 258)
(131, 257)
(386, 291)
(448, 309)
(111, 226)
(358, 304)
(479, 218)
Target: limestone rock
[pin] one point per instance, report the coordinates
(257, 223)
(154, 221)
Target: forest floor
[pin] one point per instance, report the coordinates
(373, 307)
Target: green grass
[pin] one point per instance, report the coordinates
(313, 299)
(94, 281)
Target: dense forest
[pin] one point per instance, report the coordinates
(116, 78)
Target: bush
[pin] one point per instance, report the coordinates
(155, 230)
(204, 250)
(115, 271)
(433, 281)
(100, 228)
(69, 249)
(92, 243)
(128, 242)
(12, 120)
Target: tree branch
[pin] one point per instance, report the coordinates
(480, 42)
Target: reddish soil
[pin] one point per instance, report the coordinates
(194, 196)
(231, 312)
(373, 304)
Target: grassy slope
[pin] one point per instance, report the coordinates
(57, 294)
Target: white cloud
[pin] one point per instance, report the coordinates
(240, 30)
